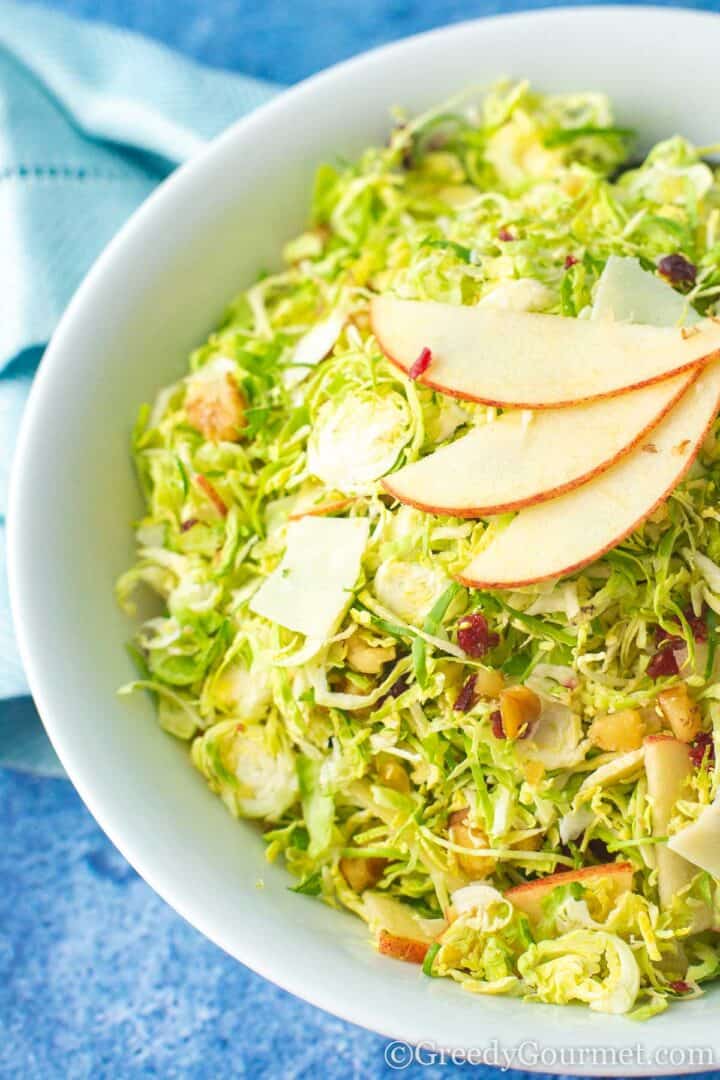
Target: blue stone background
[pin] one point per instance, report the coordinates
(98, 977)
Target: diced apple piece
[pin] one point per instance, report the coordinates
(467, 835)
(533, 361)
(681, 712)
(558, 537)
(519, 708)
(699, 843)
(512, 463)
(414, 952)
(620, 732)
(362, 874)
(669, 767)
(215, 405)
(392, 774)
(529, 897)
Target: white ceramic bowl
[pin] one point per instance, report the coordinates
(154, 294)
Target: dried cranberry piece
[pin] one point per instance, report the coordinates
(698, 628)
(697, 624)
(398, 687)
(497, 727)
(570, 261)
(663, 663)
(677, 269)
(666, 640)
(466, 697)
(474, 636)
(680, 986)
(506, 235)
(702, 749)
(421, 365)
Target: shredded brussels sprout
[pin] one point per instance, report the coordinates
(355, 707)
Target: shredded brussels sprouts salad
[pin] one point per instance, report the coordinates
(492, 780)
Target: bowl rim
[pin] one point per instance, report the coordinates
(174, 187)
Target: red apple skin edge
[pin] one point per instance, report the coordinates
(424, 380)
(322, 510)
(400, 948)
(662, 738)
(608, 547)
(550, 493)
(567, 876)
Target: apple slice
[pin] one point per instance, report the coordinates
(383, 913)
(398, 931)
(400, 948)
(518, 358)
(519, 460)
(557, 537)
(669, 767)
(529, 897)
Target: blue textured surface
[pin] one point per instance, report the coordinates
(98, 977)
(284, 41)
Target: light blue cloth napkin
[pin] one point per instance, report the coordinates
(91, 119)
